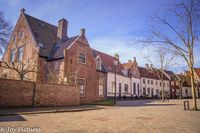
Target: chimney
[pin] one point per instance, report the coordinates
(146, 66)
(134, 59)
(116, 56)
(62, 29)
(23, 10)
(82, 32)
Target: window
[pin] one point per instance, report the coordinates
(120, 87)
(160, 84)
(101, 86)
(172, 83)
(98, 63)
(81, 83)
(152, 93)
(126, 88)
(148, 82)
(152, 82)
(144, 91)
(20, 54)
(164, 84)
(81, 58)
(113, 87)
(144, 81)
(156, 82)
(138, 88)
(148, 89)
(12, 56)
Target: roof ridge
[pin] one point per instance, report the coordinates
(40, 20)
(103, 53)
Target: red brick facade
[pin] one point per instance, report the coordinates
(55, 54)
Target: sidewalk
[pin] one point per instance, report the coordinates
(39, 110)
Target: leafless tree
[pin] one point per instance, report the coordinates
(5, 32)
(181, 31)
(165, 58)
(21, 68)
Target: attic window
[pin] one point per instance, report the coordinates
(41, 45)
(98, 63)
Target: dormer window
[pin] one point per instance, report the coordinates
(98, 63)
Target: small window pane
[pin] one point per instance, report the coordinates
(20, 55)
(81, 58)
(12, 56)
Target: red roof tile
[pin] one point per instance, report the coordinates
(197, 70)
(107, 62)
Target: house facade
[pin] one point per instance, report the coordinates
(151, 85)
(58, 58)
(106, 66)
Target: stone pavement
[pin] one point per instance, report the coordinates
(140, 116)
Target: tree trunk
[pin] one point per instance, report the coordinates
(193, 88)
(163, 98)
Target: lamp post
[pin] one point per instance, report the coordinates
(115, 64)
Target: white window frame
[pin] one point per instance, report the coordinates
(101, 87)
(12, 55)
(82, 95)
(20, 54)
(78, 57)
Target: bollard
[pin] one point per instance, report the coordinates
(186, 105)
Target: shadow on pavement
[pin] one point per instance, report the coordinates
(11, 118)
(40, 110)
(137, 103)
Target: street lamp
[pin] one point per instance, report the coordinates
(115, 64)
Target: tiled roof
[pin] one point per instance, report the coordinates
(172, 75)
(128, 65)
(145, 73)
(107, 62)
(197, 70)
(57, 50)
(44, 33)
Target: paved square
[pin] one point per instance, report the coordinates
(140, 116)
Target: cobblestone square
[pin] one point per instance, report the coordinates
(139, 116)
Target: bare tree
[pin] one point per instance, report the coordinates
(21, 68)
(5, 32)
(165, 58)
(181, 31)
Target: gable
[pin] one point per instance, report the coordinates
(44, 33)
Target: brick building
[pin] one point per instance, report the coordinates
(58, 57)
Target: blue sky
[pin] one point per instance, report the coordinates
(111, 25)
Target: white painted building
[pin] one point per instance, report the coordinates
(152, 87)
(122, 85)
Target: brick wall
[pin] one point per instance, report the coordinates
(15, 93)
(20, 93)
(56, 95)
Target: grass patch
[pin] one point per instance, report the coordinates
(107, 102)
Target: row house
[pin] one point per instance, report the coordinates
(58, 57)
(110, 65)
(151, 85)
(174, 81)
(186, 90)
